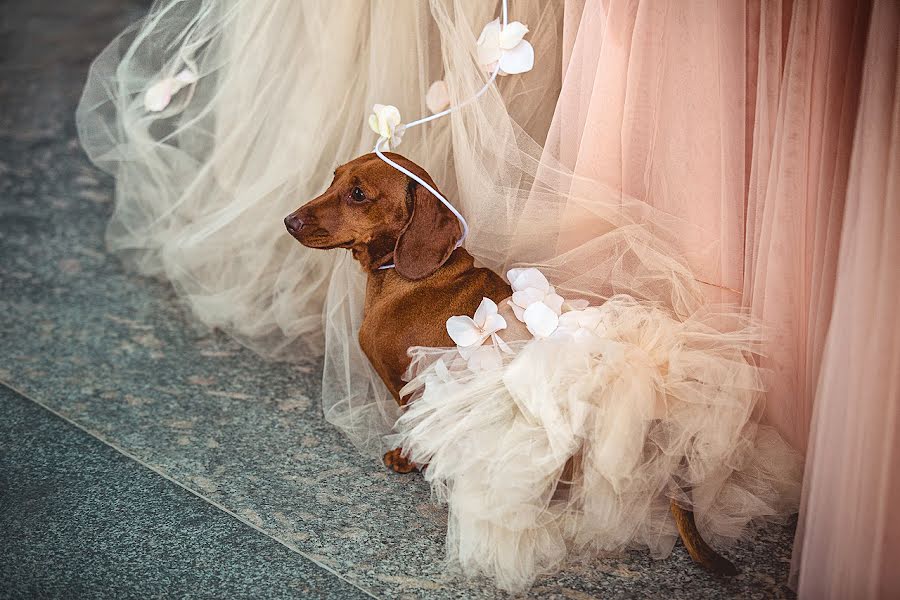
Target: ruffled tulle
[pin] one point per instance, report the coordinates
(279, 94)
(577, 443)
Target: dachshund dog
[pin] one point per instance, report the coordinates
(385, 217)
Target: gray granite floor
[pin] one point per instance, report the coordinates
(81, 520)
(118, 355)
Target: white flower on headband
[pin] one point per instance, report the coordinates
(470, 334)
(159, 95)
(505, 48)
(438, 96)
(385, 121)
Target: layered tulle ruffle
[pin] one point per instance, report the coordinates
(577, 442)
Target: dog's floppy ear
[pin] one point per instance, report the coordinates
(429, 237)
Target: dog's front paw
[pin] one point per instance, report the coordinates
(398, 463)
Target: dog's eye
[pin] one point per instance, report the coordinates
(357, 194)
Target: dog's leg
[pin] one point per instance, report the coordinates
(398, 463)
(696, 546)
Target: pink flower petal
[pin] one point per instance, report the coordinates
(438, 96)
(158, 95)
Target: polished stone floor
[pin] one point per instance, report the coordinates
(179, 464)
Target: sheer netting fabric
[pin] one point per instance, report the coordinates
(203, 184)
(275, 94)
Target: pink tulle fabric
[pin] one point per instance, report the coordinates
(849, 535)
(740, 119)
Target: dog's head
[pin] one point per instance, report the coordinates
(382, 216)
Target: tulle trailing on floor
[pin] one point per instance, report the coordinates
(575, 444)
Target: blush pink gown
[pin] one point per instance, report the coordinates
(770, 130)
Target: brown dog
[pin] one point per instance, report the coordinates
(384, 217)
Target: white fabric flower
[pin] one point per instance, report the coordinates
(504, 47)
(385, 121)
(159, 95)
(540, 319)
(438, 96)
(530, 286)
(469, 334)
(534, 301)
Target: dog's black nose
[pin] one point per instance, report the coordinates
(293, 223)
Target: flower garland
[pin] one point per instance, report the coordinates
(501, 50)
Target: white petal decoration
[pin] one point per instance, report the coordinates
(186, 76)
(503, 49)
(512, 34)
(438, 96)
(517, 60)
(158, 95)
(554, 302)
(385, 121)
(463, 331)
(519, 279)
(373, 123)
(488, 46)
(493, 324)
(485, 309)
(527, 297)
(540, 320)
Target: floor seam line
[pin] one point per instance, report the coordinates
(168, 477)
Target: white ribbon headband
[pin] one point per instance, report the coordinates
(500, 44)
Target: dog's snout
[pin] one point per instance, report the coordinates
(293, 222)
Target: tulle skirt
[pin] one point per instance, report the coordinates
(576, 442)
(272, 95)
(275, 94)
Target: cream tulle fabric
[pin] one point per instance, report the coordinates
(803, 124)
(849, 534)
(783, 83)
(644, 404)
(736, 117)
(283, 92)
